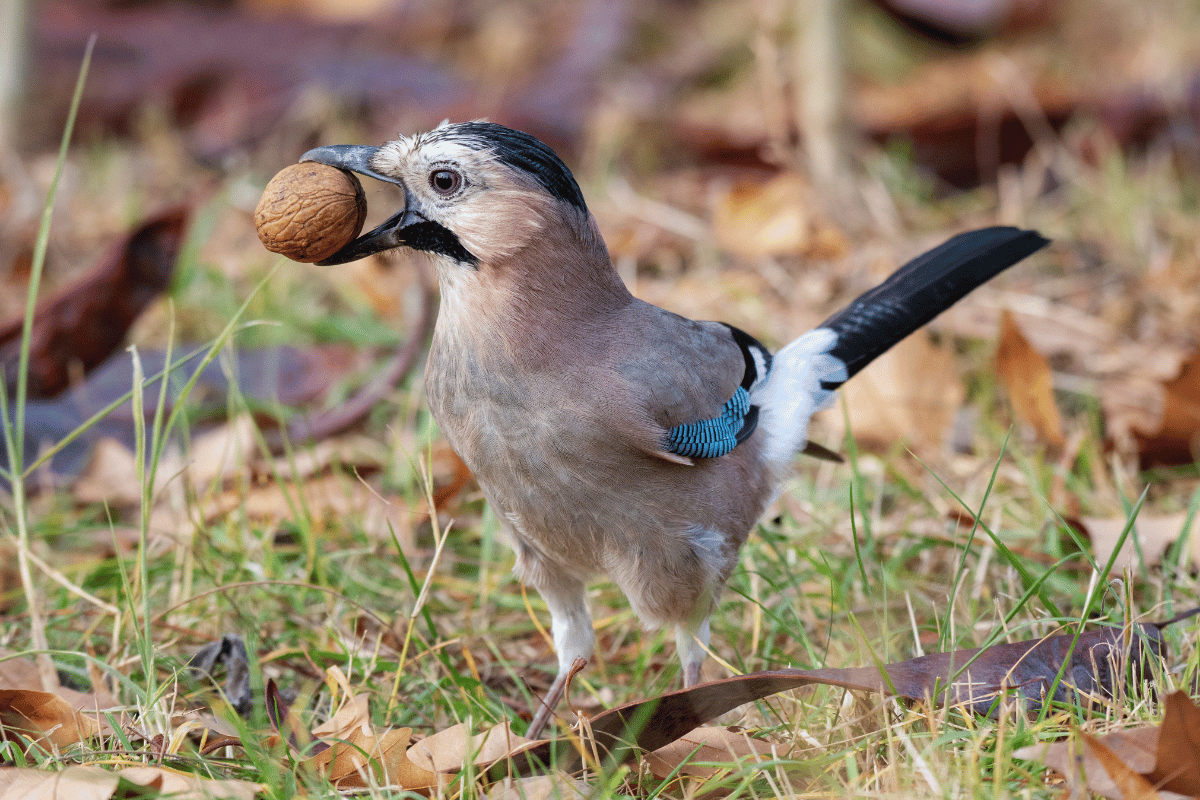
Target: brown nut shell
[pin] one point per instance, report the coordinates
(310, 211)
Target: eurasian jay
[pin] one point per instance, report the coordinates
(609, 435)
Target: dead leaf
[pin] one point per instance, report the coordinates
(1177, 765)
(355, 756)
(1029, 381)
(1129, 763)
(229, 651)
(188, 787)
(75, 782)
(282, 375)
(450, 750)
(358, 750)
(1176, 438)
(558, 785)
(959, 116)
(108, 477)
(22, 673)
(353, 714)
(94, 783)
(219, 454)
(86, 322)
(719, 744)
(909, 393)
(1147, 543)
(363, 759)
(41, 715)
(977, 680)
(773, 218)
(1129, 784)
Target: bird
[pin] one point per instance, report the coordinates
(610, 436)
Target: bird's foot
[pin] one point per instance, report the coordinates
(553, 697)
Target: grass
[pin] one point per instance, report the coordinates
(861, 562)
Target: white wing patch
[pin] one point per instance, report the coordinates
(793, 392)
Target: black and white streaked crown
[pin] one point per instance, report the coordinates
(519, 151)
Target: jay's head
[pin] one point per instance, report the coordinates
(475, 194)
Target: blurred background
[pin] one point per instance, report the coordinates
(752, 161)
(759, 162)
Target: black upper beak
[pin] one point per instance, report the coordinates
(389, 235)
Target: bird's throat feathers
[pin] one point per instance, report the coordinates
(551, 282)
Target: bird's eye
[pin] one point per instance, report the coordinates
(445, 181)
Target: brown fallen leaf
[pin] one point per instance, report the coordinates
(283, 375)
(1129, 784)
(911, 393)
(714, 744)
(353, 714)
(1147, 543)
(961, 118)
(1029, 381)
(1178, 437)
(774, 218)
(76, 782)
(363, 759)
(86, 322)
(977, 680)
(94, 783)
(22, 673)
(1177, 765)
(557, 785)
(1164, 760)
(43, 717)
(452, 749)
(189, 787)
(349, 753)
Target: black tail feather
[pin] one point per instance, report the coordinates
(924, 288)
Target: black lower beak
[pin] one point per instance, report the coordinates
(389, 235)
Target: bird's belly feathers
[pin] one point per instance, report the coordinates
(577, 494)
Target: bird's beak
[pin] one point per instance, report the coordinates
(390, 234)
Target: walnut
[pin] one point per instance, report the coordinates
(310, 211)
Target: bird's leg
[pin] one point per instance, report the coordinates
(571, 627)
(691, 642)
(553, 697)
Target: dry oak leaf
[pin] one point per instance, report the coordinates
(912, 392)
(22, 673)
(43, 716)
(84, 323)
(453, 748)
(698, 753)
(1129, 783)
(775, 218)
(1160, 420)
(363, 759)
(1177, 437)
(1093, 665)
(1147, 543)
(1029, 381)
(1166, 757)
(76, 783)
(356, 757)
(352, 715)
(94, 783)
(558, 785)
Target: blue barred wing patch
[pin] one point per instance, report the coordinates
(714, 437)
